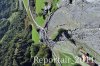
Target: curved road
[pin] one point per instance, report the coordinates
(44, 35)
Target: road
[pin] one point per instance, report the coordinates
(50, 43)
(44, 36)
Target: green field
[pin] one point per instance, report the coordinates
(39, 6)
(39, 19)
(35, 35)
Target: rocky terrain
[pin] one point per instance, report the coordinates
(81, 19)
(74, 25)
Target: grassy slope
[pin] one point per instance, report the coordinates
(35, 35)
(67, 50)
(68, 58)
(89, 50)
(54, 5)
(39, 6)
(39, 19)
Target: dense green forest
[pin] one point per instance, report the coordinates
(21, 40)
(16, 45)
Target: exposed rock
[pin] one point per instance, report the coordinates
(82, 17)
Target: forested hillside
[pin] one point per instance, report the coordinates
(16, 45)
(49, 33)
